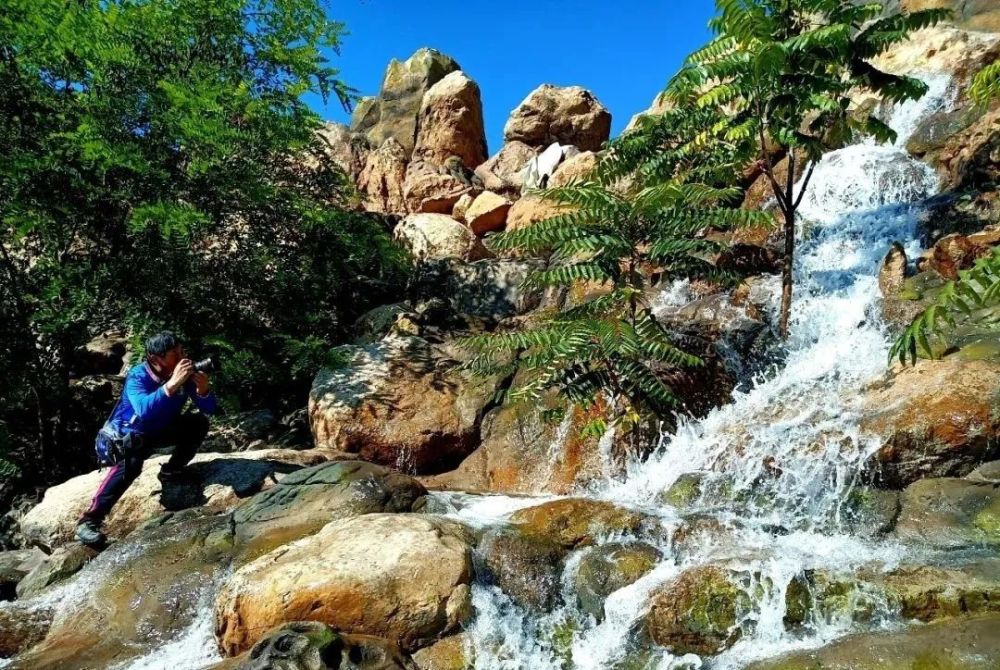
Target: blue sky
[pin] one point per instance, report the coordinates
(623, 50)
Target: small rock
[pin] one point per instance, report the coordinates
(451, 653)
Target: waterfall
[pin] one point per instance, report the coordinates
(776, 464)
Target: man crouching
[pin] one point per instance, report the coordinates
(147, 417)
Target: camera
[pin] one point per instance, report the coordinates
(205, 365)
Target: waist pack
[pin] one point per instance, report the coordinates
(112, 446)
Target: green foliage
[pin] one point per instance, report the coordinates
(959, 302)
(635, 223)
(986, 84)
(780, 77)
(154, 172)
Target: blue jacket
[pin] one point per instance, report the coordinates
(145, 406)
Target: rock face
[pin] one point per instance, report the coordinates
(401, 97)
(936, 418)
(305, 501)
(347, 150)
(451, 122)
(697, 612)
(397, 402)
(348, 576)
(381, 181)
(950, 514)
(490, 288)
(502, 173)
(436, 236)
(570, 115)
(221, 482)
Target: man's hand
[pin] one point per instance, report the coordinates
(183, 372)
(201, 383)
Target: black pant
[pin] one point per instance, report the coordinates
(185, 434)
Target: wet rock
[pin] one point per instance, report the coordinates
(568, 115)
(399, 402)
(950, 514)
(220, 483)
(870, 511)
(305, 501)
(987, 472)
(934, 131)
(402, 577)
(685, 491)
(15, 565)
(936, 418)
(490, 288)
(892, 272)
(966, 644)
(22, 626)
(526, 566)
(381, 181)
(487, 213)
(575, 522)
(451, 122)
(928, 593)
(607, 569)
(63, 563)
(697, 612)
(503, 172)
(401, 97)
(310, 645)
(451, 653)
(437, 236)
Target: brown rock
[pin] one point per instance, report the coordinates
(22, 626)
(575, 168)
(761, 192)
(502, 173)
(575, 522)
(438, 236)
(451, 122)
(462, 207)
(936, 419)
(532, 209)
(349, 151)
(397, 576)
(432, 189)
(451, 653)
(611, 567)
(955, 252)
(487, 213)
(105, 354)
(570, 115)
(526, 566)
(381, 180)
(951, 514)
(892, 272)
(398, 402)
(366, 114)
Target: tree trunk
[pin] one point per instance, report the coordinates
(786, 273)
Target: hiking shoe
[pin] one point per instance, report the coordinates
(172, 475)
(89, 533)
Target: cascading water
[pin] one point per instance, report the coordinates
(775, 466)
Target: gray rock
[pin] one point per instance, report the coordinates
(63, 563)
(311, 645)
(524, 565)
(490, 288)
(15, 566)
(987, 472)
(949, 513)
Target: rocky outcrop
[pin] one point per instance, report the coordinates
(400, 98)
(220, 483)
(399, 402)
(950, 513)
(609, 568)
(437, 236)
(503, 172)
(381, 181)
(435, 189)
(490, 288)
(697, 612)
(487, 213)
(936, 418)
(348, 576)
(345, 149)
(305, 501)
(570, 115)
(451, 122)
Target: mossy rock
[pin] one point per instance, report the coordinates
(951, 513)
(684, 492)
(821, 596)
(526, 566)
(575, 522)
(697, 613)
(609, 568)
(870, 511)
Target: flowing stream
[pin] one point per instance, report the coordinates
(775, 468)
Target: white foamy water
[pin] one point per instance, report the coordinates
(776, 464)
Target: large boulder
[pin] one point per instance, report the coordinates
(451, 122)
(531, 209)
(503, 172)
(575, 168)
(305, 501)
(936, 419)
(568, 115)
(576, 522)
(436, 189)
(63, 563)
(381, 181)
(398, 576)
(487, 213)
(401, 97)
(698, 612)
(526, 566)
(105, 354)
(436, 236)
(451, 653)
(399, 402)
(490, 288)
(965, 643)
(611, 567)
(220, 483)
(949, 513)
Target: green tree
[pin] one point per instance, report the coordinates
(153, 173)
(637, 222)
(781, 75)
